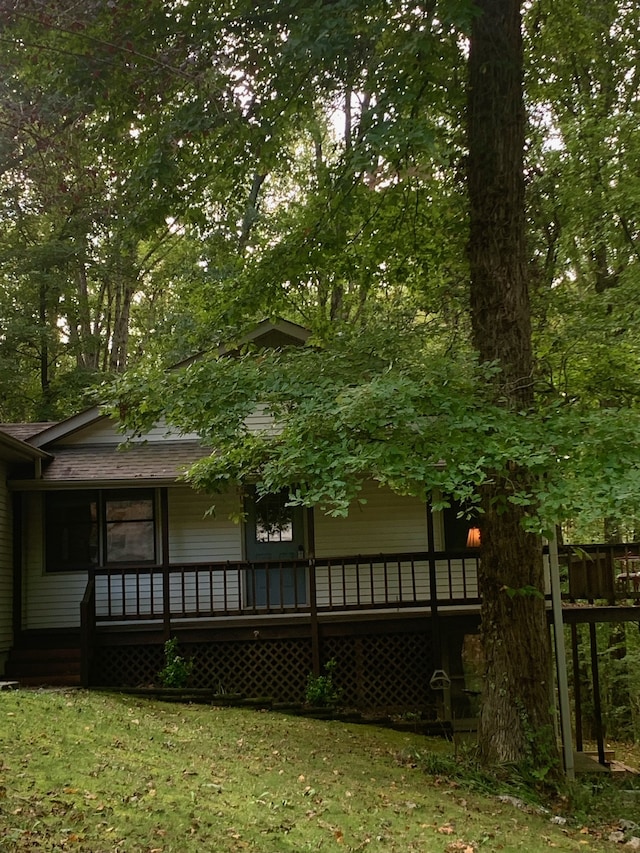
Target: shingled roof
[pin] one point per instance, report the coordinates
(98, 463)
(26, 431)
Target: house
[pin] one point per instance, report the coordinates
(106, 552)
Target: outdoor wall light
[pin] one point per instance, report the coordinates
(473, 537)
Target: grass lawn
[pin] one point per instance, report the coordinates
(83, 771)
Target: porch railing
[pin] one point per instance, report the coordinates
(330, 584)
(210, 590)
(601, 572)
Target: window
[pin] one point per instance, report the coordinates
(71, 537)
(89, 528)
(129, 528)
(274, 519)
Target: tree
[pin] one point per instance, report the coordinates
(515, 716)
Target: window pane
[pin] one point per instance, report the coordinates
(130, 529)
(130, 542)
(71, 531)
(274, 520)
(140, 509)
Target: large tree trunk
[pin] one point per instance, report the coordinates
(515, 721)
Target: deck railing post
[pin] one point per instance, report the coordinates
(595, 683)
(166, 592)
(87, 628)
(436, 643)
(166, 602)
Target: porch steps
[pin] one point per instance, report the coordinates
(36, 666)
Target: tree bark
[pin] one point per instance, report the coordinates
(515, 720)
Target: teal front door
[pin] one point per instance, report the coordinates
(274, 535)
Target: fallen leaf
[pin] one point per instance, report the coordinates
(339, 836)
(447, 829)
(460, 847)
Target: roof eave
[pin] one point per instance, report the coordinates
(53, 485)
(68, 427)
(15, 450)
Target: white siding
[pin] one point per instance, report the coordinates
(49, 600)
(390, 524)
(105, 431)
(6, 568)
(194, 536)
(260, 421)
(456, 579)
(372, 583)
(387, 523)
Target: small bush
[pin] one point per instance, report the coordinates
(177, 670)
(321, 691)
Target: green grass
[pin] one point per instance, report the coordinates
(98, 772)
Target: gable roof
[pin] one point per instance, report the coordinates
(273, 334)
(65, 428)
(84, 463)
(269, 333)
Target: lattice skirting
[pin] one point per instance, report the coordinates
(385, 671)
(378, 671)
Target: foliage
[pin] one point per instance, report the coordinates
(176, 671)
(619, 673)
(321, 690)
(395, 408)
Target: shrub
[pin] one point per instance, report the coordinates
(177, 670)
(320, 688)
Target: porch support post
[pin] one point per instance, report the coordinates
(87, 628)
(440, 662)
(166, 597)
(17, 510)
(315, 632)
(561, 660)
(597, 707)
(313, 599)
(436, 641)
(576, 686)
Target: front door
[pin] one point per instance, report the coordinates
(274, 533)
